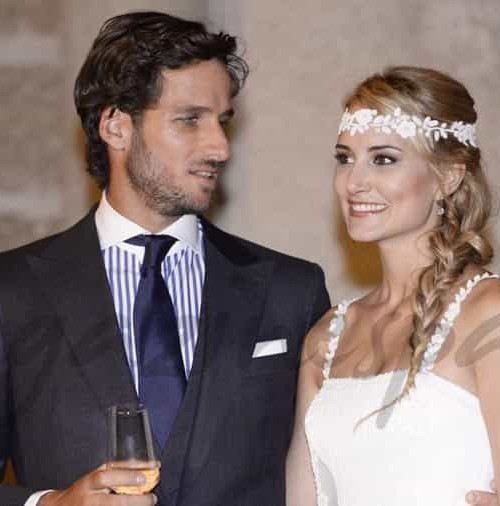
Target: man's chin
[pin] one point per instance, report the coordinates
(191, 208)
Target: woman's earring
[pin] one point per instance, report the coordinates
(440, 207)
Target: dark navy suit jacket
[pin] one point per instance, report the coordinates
(62, 363)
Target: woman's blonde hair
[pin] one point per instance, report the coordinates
(458, 240)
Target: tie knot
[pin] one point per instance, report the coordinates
(156, 247)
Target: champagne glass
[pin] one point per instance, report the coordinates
(130, 446)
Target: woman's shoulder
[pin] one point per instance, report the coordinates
(476, 303)
(479, 293)
(328, 327)
(319, 334)
(317, 343)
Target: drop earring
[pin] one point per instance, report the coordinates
(440, 207)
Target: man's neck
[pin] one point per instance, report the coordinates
(139, 213)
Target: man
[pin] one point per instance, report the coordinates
(81, 311)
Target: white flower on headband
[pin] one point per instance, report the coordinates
(406, 129)
(406, 126)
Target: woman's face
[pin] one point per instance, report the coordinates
(385, 187)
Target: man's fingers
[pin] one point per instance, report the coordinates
(109, 478)
(481, 498)
(132, 500)
(95, 488)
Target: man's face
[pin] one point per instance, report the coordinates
(180, 145)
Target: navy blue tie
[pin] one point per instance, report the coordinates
(162, 379)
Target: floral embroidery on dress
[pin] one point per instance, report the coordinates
(436, 341)
(335, 330)
(445, 325)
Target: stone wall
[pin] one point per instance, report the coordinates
(305, 56)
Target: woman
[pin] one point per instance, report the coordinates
(399, 390)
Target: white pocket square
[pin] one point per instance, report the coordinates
(272, 347)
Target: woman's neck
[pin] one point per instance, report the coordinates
(401, 268)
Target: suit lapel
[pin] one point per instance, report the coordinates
(233, 299)
(72, 271)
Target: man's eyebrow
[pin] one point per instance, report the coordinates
(228, 114)
(192, 109)
(200, 109)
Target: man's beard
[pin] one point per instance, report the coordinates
(148, 177)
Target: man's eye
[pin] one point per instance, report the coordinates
(384, 160)
(342, 158)
(190, 120)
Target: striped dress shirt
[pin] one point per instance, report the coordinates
(183, 270)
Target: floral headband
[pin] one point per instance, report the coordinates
(406, 126)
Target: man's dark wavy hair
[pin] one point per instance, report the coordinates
(124, 65)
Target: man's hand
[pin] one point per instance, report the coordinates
(94, 489)
(480, 498)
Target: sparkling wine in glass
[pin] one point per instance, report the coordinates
(130, 446)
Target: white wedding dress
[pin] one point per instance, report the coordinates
(428, 449)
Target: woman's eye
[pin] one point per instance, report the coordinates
(342, 158)
(384, 160)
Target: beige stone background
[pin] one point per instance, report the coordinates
(304, 56)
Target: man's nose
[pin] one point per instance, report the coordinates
(217, 144)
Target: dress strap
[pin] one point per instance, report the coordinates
(335, 330)
(446, 324)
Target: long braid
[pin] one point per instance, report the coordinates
(455, 244)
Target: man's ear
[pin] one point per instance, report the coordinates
(452, 178)
(115, 128)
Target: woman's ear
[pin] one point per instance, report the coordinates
(452, 179)
(115, 128)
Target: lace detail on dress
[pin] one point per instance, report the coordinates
(335, 329)
(436, 341)
(446, 324)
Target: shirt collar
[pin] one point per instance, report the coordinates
(113, 228)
